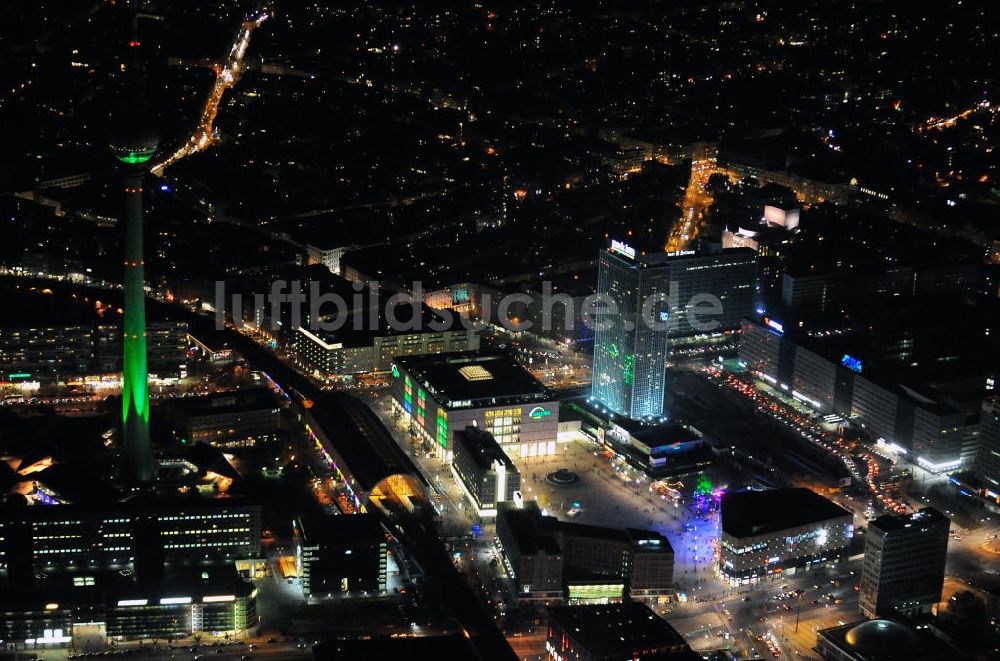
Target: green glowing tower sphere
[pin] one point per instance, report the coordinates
(132, 142)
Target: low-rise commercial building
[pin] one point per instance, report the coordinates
(240, 418)
(484, 471)
(543, 556)
(780, 531)
(612, 632)
(437, 395)
(665, 449)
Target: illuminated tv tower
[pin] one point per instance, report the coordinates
(134, 143)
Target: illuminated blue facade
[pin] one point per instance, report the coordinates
(684, 294)
(630, 356)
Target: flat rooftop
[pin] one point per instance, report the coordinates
(660, 259)
(656, 436)
(453, 646)
(923, 517)
(342, 528)
(365, 314)
(531, 530)
(130, 506)
(235, 401)
(609, 630)
(28, 306)
(645, 540)
(751, 513)
(110, 586)
(483, 448)
(476, 378)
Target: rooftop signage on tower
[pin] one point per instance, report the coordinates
(851, 363)
(622, 248)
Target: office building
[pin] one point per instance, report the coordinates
(875, 382)
(657, 297)
(144, 537)
(366, 353)
(46, 351)
(642, 560)
(329, 237)
(529, 552)
(987, 463)
(781, 531)
(612, 632)
(437, 395)
(366, 333)
(341, 555)
(807, 287)
(542, 555)
(328, 257)
(110, 607)
(483, 470)
(904, 564)
(765, 352)
(167, 344)
(48, 348)
(240, 418)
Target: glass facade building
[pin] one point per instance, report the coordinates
(630, 356)
(655, 298)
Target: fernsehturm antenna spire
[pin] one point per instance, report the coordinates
(134, 144)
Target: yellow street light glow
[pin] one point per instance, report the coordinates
(51, 607)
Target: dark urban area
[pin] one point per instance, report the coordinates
(564, 330)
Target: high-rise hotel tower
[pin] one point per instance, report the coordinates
(656, 297)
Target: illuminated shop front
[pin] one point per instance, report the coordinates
(766, 534)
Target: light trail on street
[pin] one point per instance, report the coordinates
(204, 135)
(696, 203)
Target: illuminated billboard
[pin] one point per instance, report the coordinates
(622, 248)
(851, 363)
